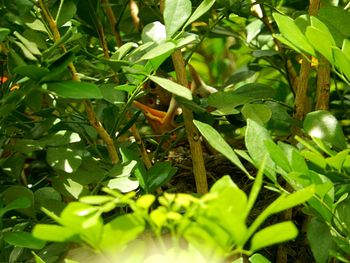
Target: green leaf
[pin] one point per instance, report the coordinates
(63, 158)
(320, 33)
(338, 160)
(24, 239)
(256, 188)
(159, 50)
(67, 12)
(123, 50)
(31, 46)
(54, 233)
(75, 90)
(140, 171)
(153, 32)
(84, 219)
(10, 196)
(285, 202)
(176, 12)
(204, 6)
(120, 231)
(122, 169)
(25, 51)
(59, 66)
(96, 199)
(218, 143)
(256, 91)
(320, 239)
(274, 234)
(278, 156)
(69, 187)
(173, 87)
(187, 38)
(13, 166)
(227, 99)
(323, 125)
(257, 112)
(346, 48)
(37, 258)
(258, 258)
(124, 184)
(112, 94)
(159, 174)
(230, 215)
(255, 138)
(32, 72)
(4, 32)
(62, 137)
(19, 203)
(292, 33)
(337, 17)
(342, 212)
(145, 201)
(323, 42)
(342, 62)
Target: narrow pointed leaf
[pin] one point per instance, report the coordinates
(218, 143)
(176, 12)
(173, 87)
(201, 9)
(274, 234)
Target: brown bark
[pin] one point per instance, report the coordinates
(192, 132)
(323, 85)
(113, 21)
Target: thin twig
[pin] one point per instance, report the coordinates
(192, 132)
(113, 155)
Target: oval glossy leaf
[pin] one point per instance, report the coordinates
(322, 42)
(124, 184)
(337, 17)
(274, 234)
(67, 11)
(24, 239)
(320, 239)
(19, 203)
(257, 112)
(292, 33)
(153, 32)
(75, 90)
(218, 143)
(255, 90)
(13, 193)
(54, 233)
(323, 125)
(227, 99)
(173, 87)
(342, 62)
(176, 12)
(200, 10)
(255, 138)
(63, 158)
(159, 174)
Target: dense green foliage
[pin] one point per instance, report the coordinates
(85, 168)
